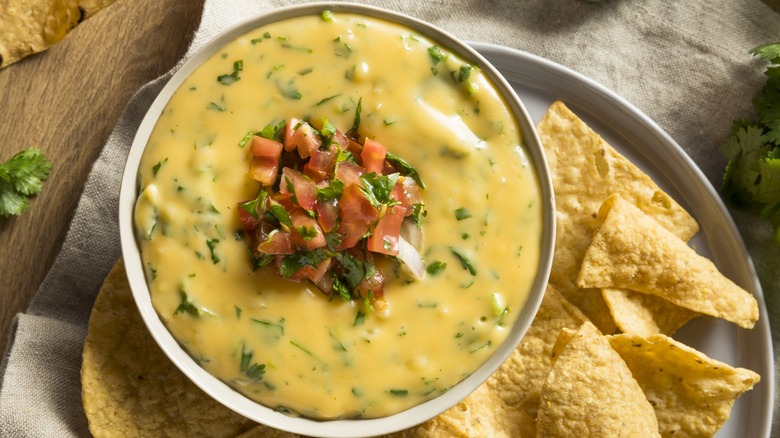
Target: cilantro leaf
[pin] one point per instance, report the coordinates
(405, 168)
(22, 176)
(254, 371)
(769, 52)
(378, 188)
(752, 176)
(227, 79)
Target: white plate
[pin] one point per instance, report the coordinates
(538, 82)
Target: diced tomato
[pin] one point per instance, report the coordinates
(304, 189)
(247, 220)
(357, 216)
(300, 135)
(349, 173)
(341, 139)
(266, 148)
(384, 238)
(327, 214)
(306, 232)
(355, 148)
(313, 273)
(373, 288)
(373, 156)
(265, 160)
(321, 165)
(263, 170)
(278, 242)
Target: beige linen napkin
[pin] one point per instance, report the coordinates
(683, 63)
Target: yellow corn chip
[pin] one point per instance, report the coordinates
(32, 26)
(586, 170)
(519, 381)
(632, 251)
(643, 314)
(481, 414)
(692, 394)
(130, 388)
(590, 392)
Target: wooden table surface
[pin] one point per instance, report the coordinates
(66, 101)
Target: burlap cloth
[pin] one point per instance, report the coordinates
(684, 63)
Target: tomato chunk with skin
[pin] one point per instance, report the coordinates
(303, 189)
(357, 216)
(278, 242)
(321, 165)
(349, 173)
(384, 238)
(328, 214)
(300, 135)
(373, 156)
(264, 166)
(306, 232)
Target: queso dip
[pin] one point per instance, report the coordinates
(285, 344)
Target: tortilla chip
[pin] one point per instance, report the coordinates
(130, 388)
(644, 314)
(632, 251)
(32, 26)
(692, 394)
(481, 414)
(586, 170)
(591, 392)
(518, 382)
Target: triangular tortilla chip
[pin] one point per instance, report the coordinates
(520, 379)
(591, 392)
(32, 26)
(481, 414)
(586, 170)
(692, 394)
(643, 314)
(632, 251)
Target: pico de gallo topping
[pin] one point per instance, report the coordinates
(331, 204)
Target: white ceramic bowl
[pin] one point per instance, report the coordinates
(233, 399)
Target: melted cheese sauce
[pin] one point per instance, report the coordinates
(284, 344)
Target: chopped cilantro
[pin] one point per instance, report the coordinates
(281, 215)
(232, 77)
(251, 206)
(212, 244)
(462, 213)
(331, 191)
(328, 99)
(156, 167)
(464, 72)
(378, 188)
(435, 267)
(360, 318)
(254, 371)
(405, 168)
(289, 90)
(292, 263)
(306, 233)
(215, 107)
(185, 306)
(464, 261)
(436, 54)
(356, 119)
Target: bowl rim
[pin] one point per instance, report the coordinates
(225, 394)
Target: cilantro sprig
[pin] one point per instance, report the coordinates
(752, 177)
(22, 177)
